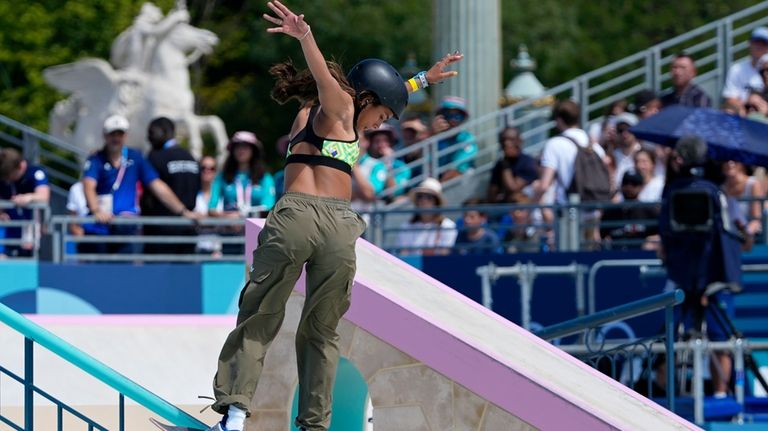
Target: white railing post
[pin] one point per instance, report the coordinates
(56, 243)
(739, 373)
(434, 159)
(656, 72)
(727, 44)
(581, 95)
(699, 348)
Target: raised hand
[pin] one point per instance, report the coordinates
(437, 73)
(286, 21)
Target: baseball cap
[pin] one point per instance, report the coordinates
(384, 128)
(643, 98)
(632, 178)
(760, 33)
(454, 102)
(244, 137)
(116, 123)
(626, 118)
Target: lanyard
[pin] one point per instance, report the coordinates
(243, 195)
(121, 172)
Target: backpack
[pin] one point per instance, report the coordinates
(591, 180)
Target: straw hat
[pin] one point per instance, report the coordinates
(429, 186)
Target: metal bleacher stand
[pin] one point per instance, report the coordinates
(715, 46)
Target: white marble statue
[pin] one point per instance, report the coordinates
(148, 78)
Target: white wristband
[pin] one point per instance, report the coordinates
(305, 34)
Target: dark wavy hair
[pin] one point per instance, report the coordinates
(300, 85)
(10, 160)
(256, 165)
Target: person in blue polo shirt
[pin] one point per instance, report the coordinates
(22, 183)
(110, 184)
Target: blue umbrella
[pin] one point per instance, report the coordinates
(728, 137)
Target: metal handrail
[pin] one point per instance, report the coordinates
(38, 223)
(526, 274)
(665, 301)
(42, 136)
(61, 237)
(621, 312)
(611, 263)
(92, 366)
(383, 226)
(55, 152)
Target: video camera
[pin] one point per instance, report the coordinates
(691, 210)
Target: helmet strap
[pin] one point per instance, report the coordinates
(359, 106)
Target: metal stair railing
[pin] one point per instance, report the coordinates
(663, 301)
(62, 160)
(34, 333)
(714, 46)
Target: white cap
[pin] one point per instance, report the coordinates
(115, 123)
(762, 62)
(626, 118)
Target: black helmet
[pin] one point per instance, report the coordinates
(380, 78)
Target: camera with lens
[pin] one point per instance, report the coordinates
(700, 242)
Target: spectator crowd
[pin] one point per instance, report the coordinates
(626, 177)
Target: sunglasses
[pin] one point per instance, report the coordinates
(455, 116)
(420, 196)
(208, 168)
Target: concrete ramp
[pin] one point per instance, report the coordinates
(436, 360)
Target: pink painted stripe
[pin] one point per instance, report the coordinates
(468, 374)
(477, 371)
(134, 320)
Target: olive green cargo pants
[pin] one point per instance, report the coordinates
(301, 228)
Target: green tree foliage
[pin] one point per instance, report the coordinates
(236, 83)
(571, 38)
(38, 34)
(566, 39)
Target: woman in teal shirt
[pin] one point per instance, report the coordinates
(244, 186)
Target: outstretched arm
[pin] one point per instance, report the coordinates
(435, 74)
(335, 101)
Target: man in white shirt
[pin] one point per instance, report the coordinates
(559, 155)
(743, 77)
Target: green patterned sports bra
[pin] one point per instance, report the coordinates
(341, 155)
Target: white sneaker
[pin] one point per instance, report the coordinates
(220, 426)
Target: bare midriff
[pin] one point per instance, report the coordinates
(316, 180)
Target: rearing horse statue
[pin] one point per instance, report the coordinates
(150, 78)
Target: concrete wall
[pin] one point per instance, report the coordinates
(406, 394)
